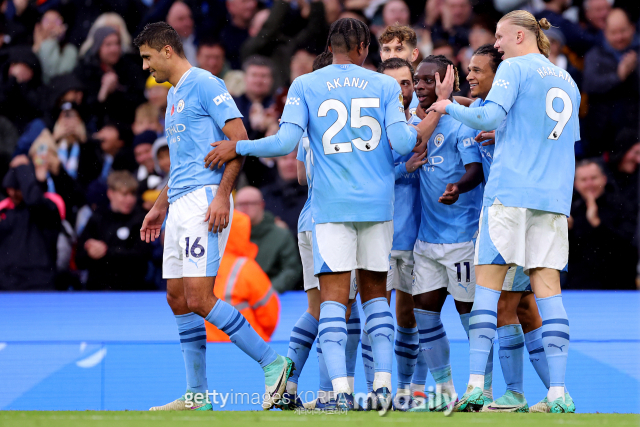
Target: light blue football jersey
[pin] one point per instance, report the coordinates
(197, 109)
(451, 146)
(534, 161)
(485, 151)
(346, 110)
(305, 155)
(407, 208)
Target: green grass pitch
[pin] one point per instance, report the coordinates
(291, 419)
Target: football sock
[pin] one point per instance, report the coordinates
(332, 332)
(488, 372)
(511, 354)
(407, 348)
(380, 328)
(537, 356)
(325, 382)
(302, 336)
(555, 340)
(229, 320)
(367, 360)
(434, 342)
(193, 342)
(421, 371)
(353, 339)
(482, 330)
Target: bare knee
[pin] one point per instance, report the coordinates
(528, 314)
(405, 316)
(463, 307)
(175, 297)
(198, 302)
(507, 305)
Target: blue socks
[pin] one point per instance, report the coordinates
(434, 342)
(302, 336)
(421, 371)
(407, 348)
(488, 372)
(353, 339)
(229, 320)
(482, 330)
(537, 356)
(193, 341)
(379, 326)
(511, 355)
(332, 333)
(325, 381)
(367, 360)
(555, 339)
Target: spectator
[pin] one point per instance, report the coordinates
(147, 119)
(257, 96)
(156, 94)
(596, 12)
(556, 40)
(277, 252)
(211, 57)
(114, 83)
(450, 22)
(117, 155)
(61, 89)
(601, 252)
(285, 197)
(611, 82)
(180, 18)
(394, 12)
(481, 33)
(20, 91)
(623, 165)
(578, 39)
(112, 20)
(29, 227)
(242, 283)
(236, 32)
(160, 177)
(56, 55)
(109, 246)
(146, 175)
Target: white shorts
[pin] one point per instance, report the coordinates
(190, 250)
(347, 246)
(305, 245)
(519, 236)
(516, 281)
(400, 275)
(445, 266)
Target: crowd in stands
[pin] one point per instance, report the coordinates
(83, 154)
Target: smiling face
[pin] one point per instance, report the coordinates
(507, 39)
(425, 83)
(480, 76)
(156, 62)
(405, 80)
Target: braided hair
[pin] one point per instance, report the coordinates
(492, 53)
(442, 62)
(348, 33)
(322, 60)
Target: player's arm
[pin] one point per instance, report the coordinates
(219, 210)
(488, 117)
(302, 173)
(470, 180)
(152, 224)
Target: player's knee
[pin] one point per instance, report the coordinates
(405, 317)
(176, 301)
(197, 304)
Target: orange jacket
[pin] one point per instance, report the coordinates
(242, 283)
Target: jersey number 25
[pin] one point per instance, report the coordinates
(357, 121)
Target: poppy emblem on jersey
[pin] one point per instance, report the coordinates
(438, 140)
(173, 109)
(180, 106)
(501, 83)
(293, 101)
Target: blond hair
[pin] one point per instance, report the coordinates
(109, 19)
(122, 181)
(148, 112)
(526, 20)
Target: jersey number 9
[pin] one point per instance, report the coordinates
(561, 117)
(357, 121)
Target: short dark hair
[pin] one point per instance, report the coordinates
(322, 60)
(210, 42)
(593, 161)
(492, 53)
(158, 35)
(442, 62)
(395, 64)
(257, 61)
(348, 33)
(403, 33)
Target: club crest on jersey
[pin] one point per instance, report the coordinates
(438, 140)
(173, 109)
(400, 98)
(180, 106)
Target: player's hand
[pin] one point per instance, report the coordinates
(152, 225)
(218, 214)
(487, 138)
(450, 195)
(223, 152)
(439, 107)
(444, 89)
(416, 161)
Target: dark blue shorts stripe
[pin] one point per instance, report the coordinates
(537, 350)
(433, 338)
(555, 334)
(366, 347)
(413, 347)
(380, 326)
(378, 315)
(237, 328)
(303, 332)
(192, 339)
(406, 355)
(558, 321)
(428, 331)
(512, 347)
(299, 341)
(353, 320)
(481, 312)
(483, 325)
(332, 329)
(332, 319)
(194, 330)
(366, 356)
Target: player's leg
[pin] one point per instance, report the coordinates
(353, 333)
